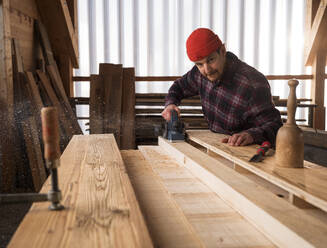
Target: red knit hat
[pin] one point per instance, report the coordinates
(201, 43)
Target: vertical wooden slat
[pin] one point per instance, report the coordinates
(7, 133)
(318, 89)
(66, 73)
(65, 122)
(128, 110)
(59, 88)
(112, 80)
(96, 104)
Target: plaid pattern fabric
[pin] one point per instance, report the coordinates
(240, 101)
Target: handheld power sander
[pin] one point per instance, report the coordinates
(174, 129)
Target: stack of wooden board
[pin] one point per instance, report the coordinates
(112, 100)
(32, 92)
(187, 198)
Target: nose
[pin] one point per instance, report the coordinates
(207, 68)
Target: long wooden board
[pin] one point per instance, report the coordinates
(216, 223)
(96, 104)
(166, 222)
(100, 205)
(286, 225)
(308, 183)
(127, 138)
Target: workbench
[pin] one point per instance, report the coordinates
(200, 193)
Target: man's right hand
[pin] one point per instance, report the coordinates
(166, 112)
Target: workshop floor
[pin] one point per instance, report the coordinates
(10, 218)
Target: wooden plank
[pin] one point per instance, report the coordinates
(96, 104)
(216, 223)
(22, 15)
(100, 206)
(316, 25)
(166, 222)
(65, 122)
(306, 183)
(314, 137)
(318, 89)
(26, 120)
(7, 141)
(59, 88)
(35, 91)
(55, 16)
(127, 138)
(112, 80)
(66, 74)
(34, 153)
(283, 223)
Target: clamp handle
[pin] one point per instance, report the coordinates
(50, 133)
(264, 148)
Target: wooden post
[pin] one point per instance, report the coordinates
(318, 89)
(7, 165)
(127, 140)
(66, 73)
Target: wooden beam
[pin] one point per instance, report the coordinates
(112, 82)
(203, 208)
(55, 16)
(292, 180)
(66, 73)
(96, 104)
(316, 33)
(7, 133)
(173, 78)
(127, 138)
(318, 90)
(101, 209)
(283, 223)
(167, 224)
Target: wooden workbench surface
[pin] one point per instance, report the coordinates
(308, 183)
(180, 210)
(187, 198)
(100, 206)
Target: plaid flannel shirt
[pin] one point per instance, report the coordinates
(240, 101)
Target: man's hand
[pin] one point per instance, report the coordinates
(166, 112)
(239, 139)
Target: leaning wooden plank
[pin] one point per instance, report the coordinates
(216, 223)
(306, 183)
(96, 104)
(112, 80)
(26, 120)
(286, 225)
(59, 88)
(100, 206)
(166, 222)
(66, 122)
(127, 140)
(56, 18)
(34, 153)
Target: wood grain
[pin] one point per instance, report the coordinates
(215, 223)
(286, 225)
(127, 138)
(96, 104)
(100, 206)
(166, 222)
(307, 183)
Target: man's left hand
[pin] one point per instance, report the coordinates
(239, 139)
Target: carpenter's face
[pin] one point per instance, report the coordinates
(212, 66)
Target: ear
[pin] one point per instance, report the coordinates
(222, 50)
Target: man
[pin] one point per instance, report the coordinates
(235, 97)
